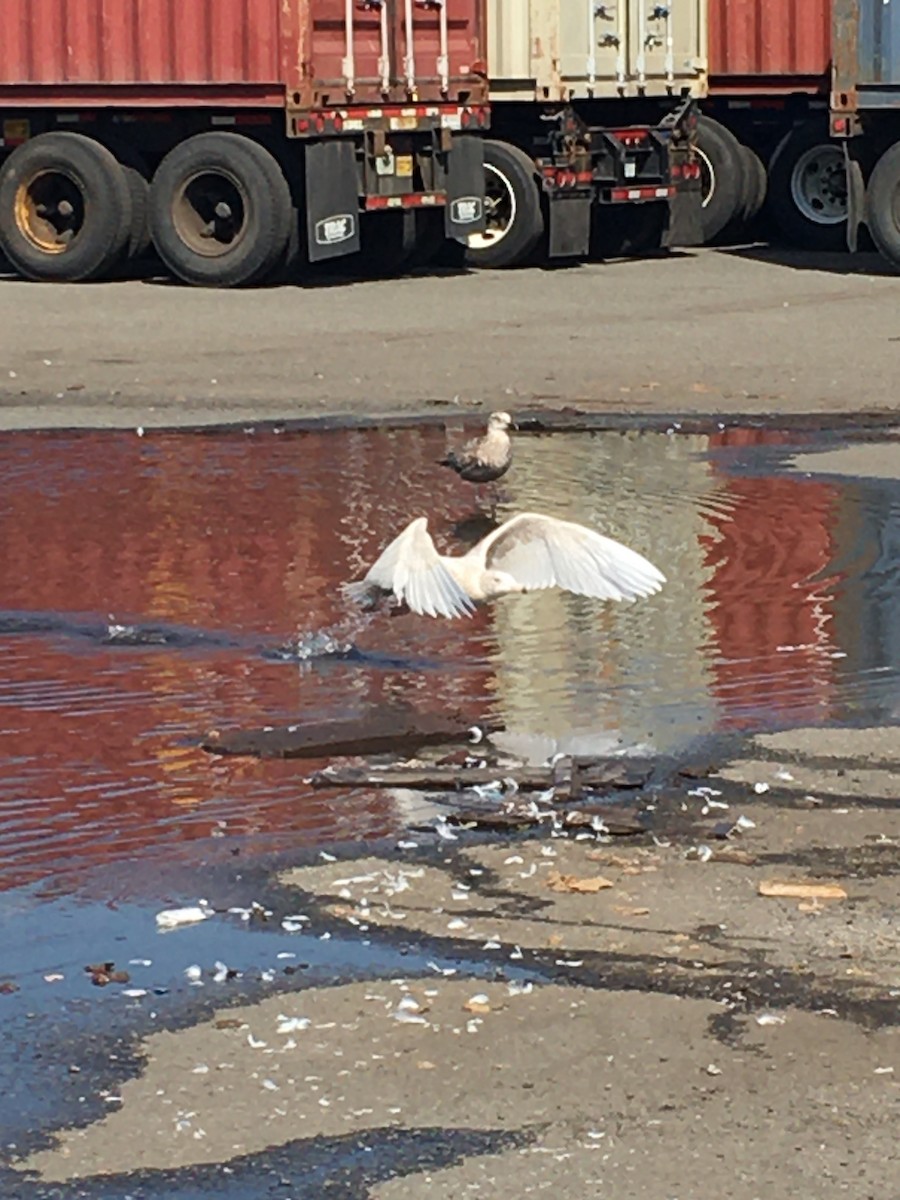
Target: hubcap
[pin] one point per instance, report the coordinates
(49, 209)
(210, 213)
(499, 208)
(819, 185)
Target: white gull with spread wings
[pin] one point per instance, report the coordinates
(527, 553)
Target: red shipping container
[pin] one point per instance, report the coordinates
(769, 45)
(244, 52)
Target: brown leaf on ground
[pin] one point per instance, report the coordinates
(572, 883)
(631, 912)
(730, 854)
(801, 890)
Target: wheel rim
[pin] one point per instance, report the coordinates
(707, 177)
(499, 207)
(819, 185)
(49, 210)
(210, 213)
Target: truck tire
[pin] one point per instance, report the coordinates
(883, 205)
(722, 171)
(752, 198)
(65, 209)
(628, 230)
(808, 188)
(756, 185)
(220, 211)
(513, 202)
(137, 176)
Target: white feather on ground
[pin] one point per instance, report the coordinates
(527, 553)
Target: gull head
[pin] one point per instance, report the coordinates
(500, 420)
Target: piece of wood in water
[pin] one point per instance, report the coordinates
(452, 778)
(384, 730)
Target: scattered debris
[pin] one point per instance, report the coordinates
(478, 1004)
(174, 918)
(770, 1018)
(409, 1011)
(760, 788)
(801, 890)
(103, 973)
(699, 853)
(572, 883)
(292, 1024)
(7, 987)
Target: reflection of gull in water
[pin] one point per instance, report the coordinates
(485, 459)
(527, 553)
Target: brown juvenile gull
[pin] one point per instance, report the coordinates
(487, 458)
(527, 553)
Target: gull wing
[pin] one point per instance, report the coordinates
(412, 569)
(544, 552)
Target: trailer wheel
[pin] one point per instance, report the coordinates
(513, 203)
(65, 209)
(757, 183)
(137, 176)
(220, 211)
(722, 175)
(808, 188)
(752, 198)
(883, 205)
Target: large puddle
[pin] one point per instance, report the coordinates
(151, 584)
(222, 549)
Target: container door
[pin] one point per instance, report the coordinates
(441, 48)
(351, 50)
(592, 44)
(879, 49)
(509, 48)
(665, 44)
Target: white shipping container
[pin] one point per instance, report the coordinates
(561, 50)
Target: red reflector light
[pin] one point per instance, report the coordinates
(303, 125)
(839, 124)
(465, 118)
(338, 123)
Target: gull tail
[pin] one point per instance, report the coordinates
(362, 593)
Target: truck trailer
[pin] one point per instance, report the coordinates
(593, 110)
(763, 133)
(865, 117)
(239, 137)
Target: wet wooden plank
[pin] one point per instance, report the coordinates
(590, 774)
(387, 730)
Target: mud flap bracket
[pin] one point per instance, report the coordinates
(464, 213)
(332, 200)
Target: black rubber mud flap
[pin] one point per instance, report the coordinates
(332, 200)
(856, 199)
(685, 224)
(570, 225)
(465, 213)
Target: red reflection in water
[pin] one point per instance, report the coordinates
(245, 534)
(771, 614)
